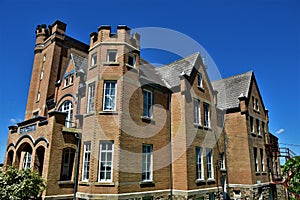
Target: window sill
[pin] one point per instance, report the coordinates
(223, 170)
(132, 67)
(199, 181)
(253, 134)
(198, 125)
(65, 182)
(147, 184)
(207, 128)
(201, 88)
(108, 112)
(67, 86)
(111, 64)
(211, 180)
(259, 135)
(84, 183)
(147, 119)
(89, 114)
(92, 67)
(257, 173)
(105, 183)
(264, 173)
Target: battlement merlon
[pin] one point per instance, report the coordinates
(105, 35)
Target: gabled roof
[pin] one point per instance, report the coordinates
(231, 88)
(79, 62)
(171, 73)
(148, 73)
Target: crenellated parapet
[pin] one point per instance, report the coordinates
(123, 35)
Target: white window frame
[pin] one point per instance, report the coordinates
(222, 161)
(94, 59)
(105, 161)
(147, 155)
(256, 164)
(258, 129)
(206, 113)
(209, 164)
(133, 56)
(262, 162)
(86, 161)
(27, 160)
(199, 163)
(252, 125)
(108, 54)
(200, 80)
(197, 112)
(147, 104)
(91, 97)
(110, 96)
(67, 107)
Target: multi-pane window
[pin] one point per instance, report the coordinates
(86, 161)
(222, 161)
(255, 103)
(67, 107)
(67, 164)
(147, 162)
(27, 160)
(131, 60)
(251, 125)
(197, 112)
(147, 103)
(91, 98)
(255, 159)
(258, 127)
(209, 163)
(199, 163)
(111, 56)
(68, 79)
(262, 160)
(206, 115)
(109, 98)
(106, 161)
(94, 59)
(200, 83)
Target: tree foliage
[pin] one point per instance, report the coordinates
(291, 171)
(19, 185)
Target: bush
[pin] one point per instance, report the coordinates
(20, 185)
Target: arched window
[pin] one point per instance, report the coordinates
(27, 160)
(10, 157)
(67, 107)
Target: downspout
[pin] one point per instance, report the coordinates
(170, 145)
(77, 165)
(226, 165)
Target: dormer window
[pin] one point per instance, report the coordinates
(200, 84)
(131, 60)
(69, 79)
(255, 103)
(111, 56)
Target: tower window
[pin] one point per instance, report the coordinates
(94, 59)
(131, 60)
(111, 56)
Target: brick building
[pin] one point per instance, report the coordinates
(102, 123)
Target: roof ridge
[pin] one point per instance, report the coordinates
(234, 76)
(180, 59)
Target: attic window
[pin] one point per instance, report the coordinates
(255, 103)
(200, 84)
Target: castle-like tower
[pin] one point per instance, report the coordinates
(102, 123)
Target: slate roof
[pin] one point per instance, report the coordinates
(148, 73)
(79, 62)
(170, 73)
(231, 88)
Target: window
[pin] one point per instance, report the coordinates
(252, 125)
(222, 161)
(71, 79)
(94, 59)
(209, 163)
(255, 159)
(199, 163)
(109, 103)
(44, 58)
(42, 74)
(211, 196)
(27, 160)
(67, 164)
(38, 96)
(67, 107)
(263, 127)
(147, 103)
(255, 103)
(206, 115)
(197, 112)
(131, 59)
(262, 160)
(147, 162)
(68, 79)
(258, 127)
(111, 56)
(91, 98)
(106, 161)
(86, 161)
(36, 114)
(200, 84)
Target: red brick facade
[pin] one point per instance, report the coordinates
(140, 134)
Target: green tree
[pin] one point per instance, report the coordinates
(20, 185)
(291, 172)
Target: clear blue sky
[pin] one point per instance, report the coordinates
(239, 35)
